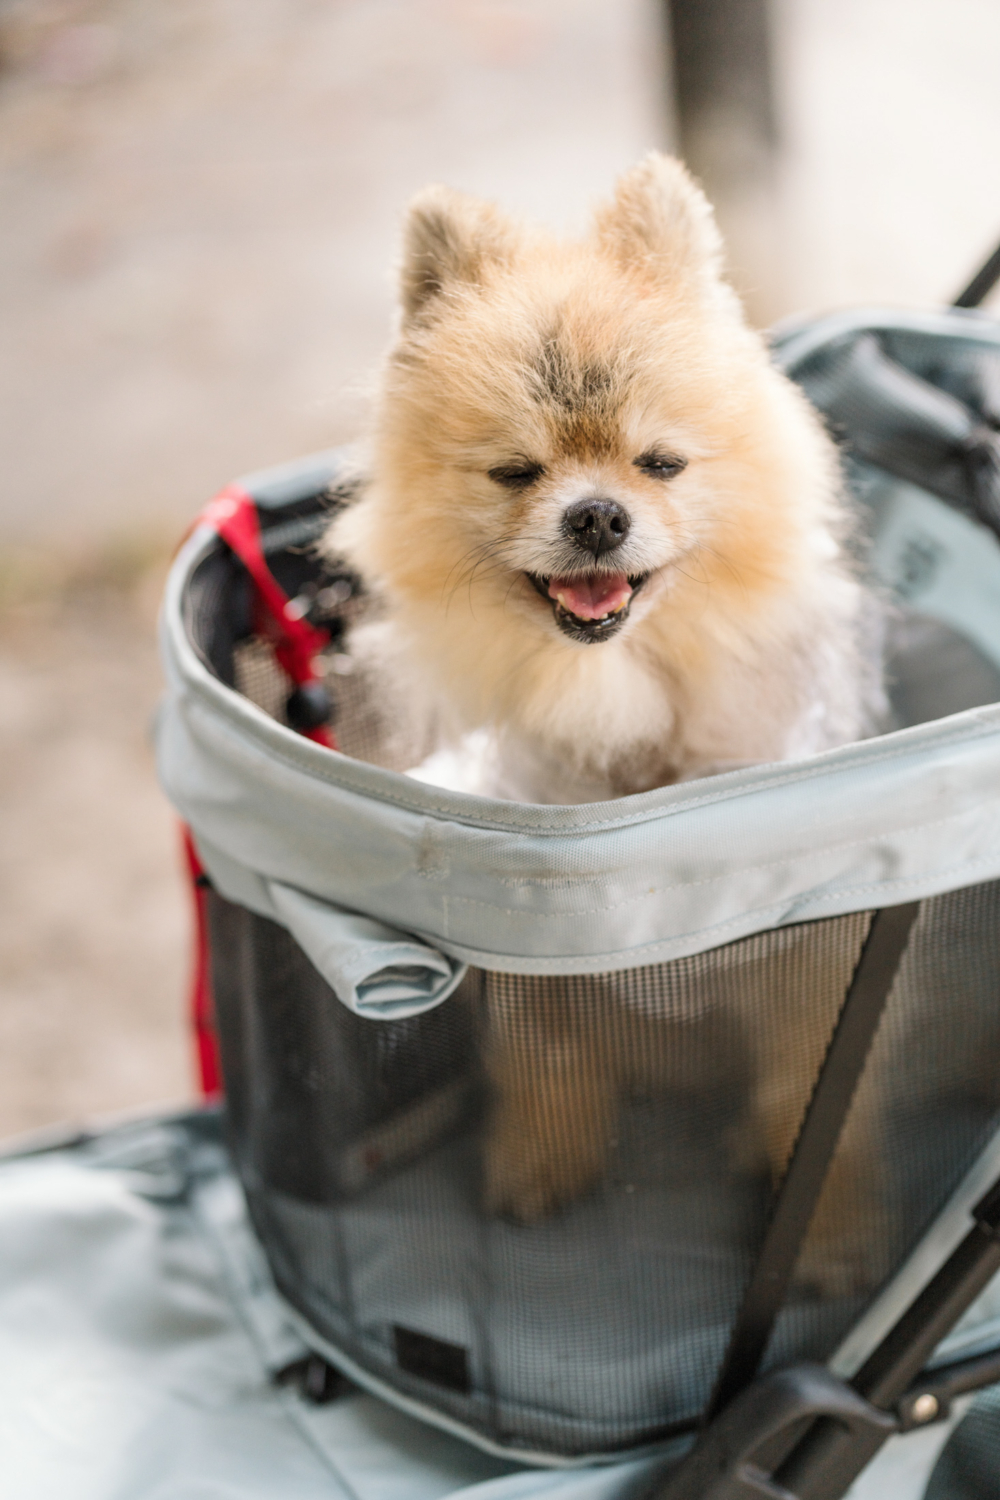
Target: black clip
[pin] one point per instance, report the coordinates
(309, 705)
(315, 1380)
(728, 1461)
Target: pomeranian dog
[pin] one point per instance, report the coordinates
(601, 525)
(605, 531)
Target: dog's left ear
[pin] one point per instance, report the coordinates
(661, 225)
(450, 239)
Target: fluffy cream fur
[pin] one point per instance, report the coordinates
(518, 352)
(531, 375)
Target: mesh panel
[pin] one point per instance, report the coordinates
(536, 1208)
(926, 1106)
(560, 1185)
(567, 1180)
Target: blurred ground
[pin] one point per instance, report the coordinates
(201, 205)
(92, 952)
(198, 211)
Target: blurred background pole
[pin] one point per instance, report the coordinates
(721, 54)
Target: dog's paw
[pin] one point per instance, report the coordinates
(831, 1268)
(528, 1184)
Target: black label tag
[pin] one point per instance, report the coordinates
(432, 1359)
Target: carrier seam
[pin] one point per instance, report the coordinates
(691, 885)
(557, 966)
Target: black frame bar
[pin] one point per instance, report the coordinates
(800, 1433)
(981, 284)
(827, 1459)
(822, 1125)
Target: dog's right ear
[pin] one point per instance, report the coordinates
(660, 226)
(450, 238)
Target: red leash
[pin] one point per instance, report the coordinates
(297, 644)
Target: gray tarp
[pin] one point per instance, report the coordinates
(139, 1328)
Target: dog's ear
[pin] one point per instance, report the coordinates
(661, 225)
(449, 238)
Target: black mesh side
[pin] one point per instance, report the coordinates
(320, 1101)
(218, 611)
(557, 1187)
(567, 1179)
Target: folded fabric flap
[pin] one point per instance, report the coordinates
(375, 970)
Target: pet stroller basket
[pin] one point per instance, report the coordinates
(513, 1090)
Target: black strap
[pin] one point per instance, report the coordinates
(981, 284)
(817, 1141)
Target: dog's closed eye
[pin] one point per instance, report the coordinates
(660, 465)
(516, 476)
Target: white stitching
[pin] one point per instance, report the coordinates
(691, 885)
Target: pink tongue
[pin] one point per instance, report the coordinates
(591, 598)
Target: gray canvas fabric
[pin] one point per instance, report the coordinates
(373, 969)
(139, 1330)
(584, 889)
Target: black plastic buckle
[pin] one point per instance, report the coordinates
(736, 1456)
(316, 1381)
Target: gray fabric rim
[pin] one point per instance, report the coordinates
(586, 888)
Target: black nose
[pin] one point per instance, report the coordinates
(598, 526)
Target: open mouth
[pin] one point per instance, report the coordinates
(589, 606)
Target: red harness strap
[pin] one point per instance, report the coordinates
(200, 1007)
(233, 515)
(296, 643)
